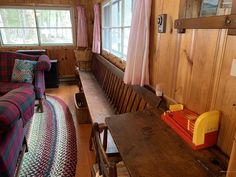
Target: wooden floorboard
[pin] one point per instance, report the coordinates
(85, 157)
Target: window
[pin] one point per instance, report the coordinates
(116, 22)
(35, 26)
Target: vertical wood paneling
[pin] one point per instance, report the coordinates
(193, 68)
(204, 56)
(184, 66)
(232, 163)
(226, 98)
(164, 58)
(154, 40)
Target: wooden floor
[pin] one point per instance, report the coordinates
(85, 157)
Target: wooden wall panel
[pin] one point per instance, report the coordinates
(185, 65)
(232, 163)
(154, 40)
(226, 98)
(64, 55)
(163, 59)
(193, 68)
(201, 81)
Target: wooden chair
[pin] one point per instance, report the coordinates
(106, 166)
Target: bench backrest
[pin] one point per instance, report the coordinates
(123, 97)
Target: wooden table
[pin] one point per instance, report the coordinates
(149, 148)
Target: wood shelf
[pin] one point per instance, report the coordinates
(211, 22)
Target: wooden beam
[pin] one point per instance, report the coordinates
(212, 22)
(233, 11)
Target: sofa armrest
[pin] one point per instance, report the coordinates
(18, 103)
(43, 64)
(9, 113)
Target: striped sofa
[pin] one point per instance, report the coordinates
(7, 60)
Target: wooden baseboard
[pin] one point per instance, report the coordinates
(67, 79)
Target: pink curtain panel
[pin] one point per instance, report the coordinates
(96, 48)
(137, 65)
(82, 35)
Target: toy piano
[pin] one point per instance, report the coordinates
(199, 131)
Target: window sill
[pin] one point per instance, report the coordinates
(120, 63)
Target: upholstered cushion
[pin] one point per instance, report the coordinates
(10, 146)
(23, 71)
(6, 87)
(18, 103)
(9, 113)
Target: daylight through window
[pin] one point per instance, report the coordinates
(116, 22)
(38, 26)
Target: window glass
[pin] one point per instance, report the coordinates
(116, 42)
(106, 38)
(19, 36)
(116, 14)
(128, 6)
(125, 41)
(55, 36)
(35, 26)
(53, 18)
(116, 22)
(17, 26)
(54, 26)
(106, 21)
(17, 18)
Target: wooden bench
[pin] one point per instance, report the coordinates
(106, 93)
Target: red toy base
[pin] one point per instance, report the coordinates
(210, 138)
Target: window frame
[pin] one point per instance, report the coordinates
(122, 27)
(34, 8)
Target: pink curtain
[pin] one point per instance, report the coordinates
(137, 68)
(96, 30)
(82, 35)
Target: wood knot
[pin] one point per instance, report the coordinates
(188, 57)
(147, 131)
(228, 21)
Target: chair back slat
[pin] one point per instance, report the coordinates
(131, 101)
(115, 89)
(106, 168)
(142, 105)
(111, 87)
(122, 99)
(126, 100)
(119, 94)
